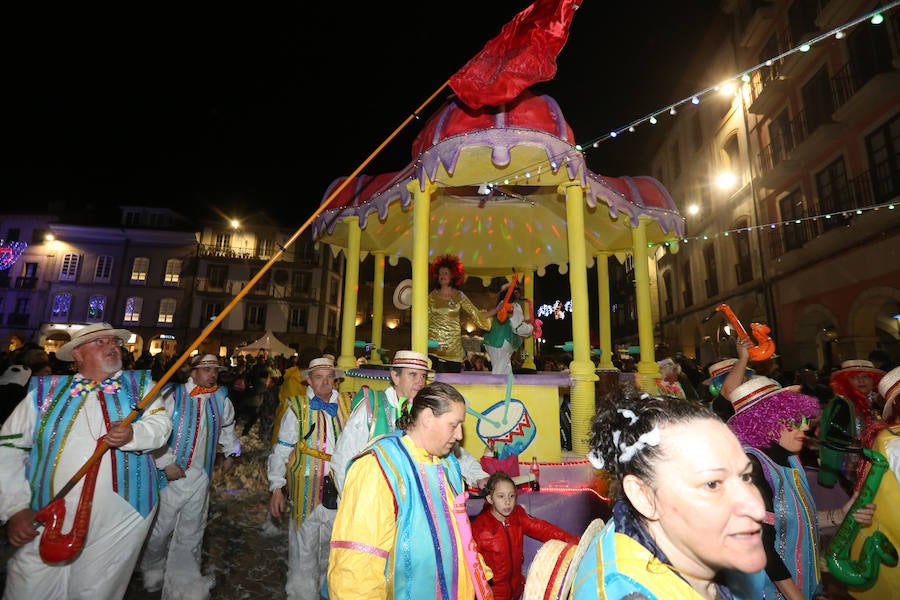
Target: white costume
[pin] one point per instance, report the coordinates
(355, 437)
(504, 339)
(172, 555)
(309, 532)
(117, 527)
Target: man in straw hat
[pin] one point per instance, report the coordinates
(375, 413)
(202, 419)
(301, 459)
(47, 439)
(772, 423)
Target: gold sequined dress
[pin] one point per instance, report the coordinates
(444, 323)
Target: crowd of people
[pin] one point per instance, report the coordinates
(708, 479)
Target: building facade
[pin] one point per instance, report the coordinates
(789, 184)
(156, 275)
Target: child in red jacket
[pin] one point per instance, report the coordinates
(499, 532)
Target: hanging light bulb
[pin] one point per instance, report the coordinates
(839, 35)
(804, 48)
(672, 111)
(653, 120)
(612, 134)
(631, 129)
(878, 19)
(695, 100)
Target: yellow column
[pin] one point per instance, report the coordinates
(581, 369)
(528, 363)
(648, 370)
(421, 217)
(377, 308)
(351, 289)
(605, 321)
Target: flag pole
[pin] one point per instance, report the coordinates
(102, 447)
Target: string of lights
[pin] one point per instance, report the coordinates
(875, 17)
(787, 223)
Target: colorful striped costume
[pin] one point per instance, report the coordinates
(185, 423)
(796, 523)
(134, 475)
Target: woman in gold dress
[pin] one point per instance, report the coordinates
(445, 302)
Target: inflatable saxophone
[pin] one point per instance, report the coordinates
(863, 571)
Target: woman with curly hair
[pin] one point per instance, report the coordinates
(772, 422)
(445, 302)
(686, 515)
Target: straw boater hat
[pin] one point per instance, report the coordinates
(86, 334)
(408, 359)
(317, 364)
(889, 388)
(206, 360)
(552, 572)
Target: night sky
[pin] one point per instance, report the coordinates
(250, 108)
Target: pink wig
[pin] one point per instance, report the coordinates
(759, 425)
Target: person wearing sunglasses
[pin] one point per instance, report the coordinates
(772, 423)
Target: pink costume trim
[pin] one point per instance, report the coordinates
(374, 550)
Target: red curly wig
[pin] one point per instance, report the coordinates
(457, 276)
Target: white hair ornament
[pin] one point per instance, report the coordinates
(651, 438)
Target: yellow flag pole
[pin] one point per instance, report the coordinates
(102, 447)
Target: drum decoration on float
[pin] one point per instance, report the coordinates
(505, 427)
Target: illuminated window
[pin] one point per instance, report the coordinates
(59, 312)
(133, 307)
(173, 272)
(166, 311)
(96, 307)
(139, 270)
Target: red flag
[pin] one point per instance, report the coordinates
(524, 53)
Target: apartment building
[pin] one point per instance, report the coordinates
(789, 184)
(156, 274)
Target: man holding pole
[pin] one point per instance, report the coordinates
(48, 439)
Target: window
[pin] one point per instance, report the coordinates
(834, 193)
(883, 148)
(104, 269)
(217, 275)
(132, 218)
(223, 241)
(712, 276)
(817, 100)
(332, 323)
(96, 308)
(173, 272)
(12, 234)
(166, 311)
(139, 270)
(705, 199)
(256, 315)
(267, 248)
(133, 307)
(744, 267)
(59, 311)
(667, 283)
(333, 291)
(301, 282)
(795, 234)
(781, 138)
(211, 310)
(687, 285)
(733, 155)
(298, 317)
(69, 269)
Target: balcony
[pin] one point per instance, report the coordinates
(768, 89)
(26, 283)
(758, 27)
(857, 94)
(837, 12)
(813, 134)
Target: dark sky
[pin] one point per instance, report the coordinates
(253, 108)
